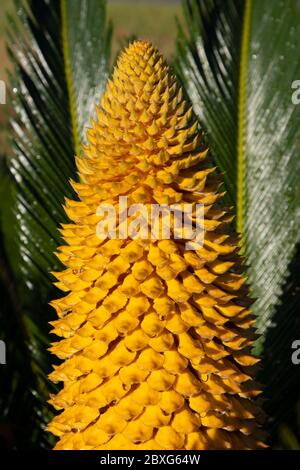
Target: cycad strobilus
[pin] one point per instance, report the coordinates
(156, 339)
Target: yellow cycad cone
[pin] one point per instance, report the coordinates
(155, 338)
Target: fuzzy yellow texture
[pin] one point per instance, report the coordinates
(155, 339)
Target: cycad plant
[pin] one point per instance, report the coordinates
(236, 61)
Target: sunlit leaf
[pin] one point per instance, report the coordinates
(238, 64)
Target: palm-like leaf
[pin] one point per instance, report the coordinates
(60, 54)
(57, 81)
(237, 65)
(208, 64)
(22, 378)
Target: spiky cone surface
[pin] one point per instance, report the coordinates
(155, 339)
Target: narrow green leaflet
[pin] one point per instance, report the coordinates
(86, 47)
(208, 64)
(271, 150)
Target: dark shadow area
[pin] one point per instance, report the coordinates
(279, 375)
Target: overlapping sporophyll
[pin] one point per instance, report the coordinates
(155, 338)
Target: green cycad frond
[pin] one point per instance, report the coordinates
(238, 65)
(61, 51)
(23, 412)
